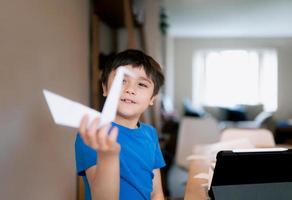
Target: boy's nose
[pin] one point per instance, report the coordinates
(130, 90)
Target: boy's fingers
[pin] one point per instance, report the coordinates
(83, 129)
(92, 128)
(92, 133)
(112, 139)
(83, 124)
(113, 134)
(102, 137)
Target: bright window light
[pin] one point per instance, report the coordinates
(230, 77)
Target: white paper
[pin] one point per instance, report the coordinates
(207, 176)
(202, 176)
(69, 113)
(211, 173)
(66, 112)
(211, 150)
(259, 150)
(197, 157)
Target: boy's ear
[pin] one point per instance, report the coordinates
(104, 89)
(152, 100)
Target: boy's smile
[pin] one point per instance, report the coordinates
(136, 94)
(128, 101)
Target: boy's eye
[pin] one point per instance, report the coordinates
(124, 81)
(143, 85)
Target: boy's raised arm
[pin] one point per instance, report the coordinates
(104, 178)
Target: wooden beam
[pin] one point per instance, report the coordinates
(129, 24)
(94, 103)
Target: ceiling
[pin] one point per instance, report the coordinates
(229, 18)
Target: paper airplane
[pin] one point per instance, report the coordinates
(69, 113)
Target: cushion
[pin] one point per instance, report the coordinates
(214, 111)
(263, 117)
(235, 114)
(253, 110)
(192, 111)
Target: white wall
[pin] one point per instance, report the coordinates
(43, 44)
(169, 68)
(229, 18)
(185, 47)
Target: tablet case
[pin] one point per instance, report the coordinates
(252, 176)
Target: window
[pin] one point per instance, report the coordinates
(231, 77)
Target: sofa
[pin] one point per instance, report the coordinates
(240, 116)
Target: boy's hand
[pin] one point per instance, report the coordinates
(99, 139)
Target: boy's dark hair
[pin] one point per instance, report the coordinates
(136, 58)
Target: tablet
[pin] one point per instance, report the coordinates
(262, 174)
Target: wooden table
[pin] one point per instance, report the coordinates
(194, 189)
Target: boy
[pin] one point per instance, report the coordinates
(122, 160)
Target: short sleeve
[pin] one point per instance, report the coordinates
(159, 160)
(85, 156)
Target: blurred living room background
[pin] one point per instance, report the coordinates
(227, 65)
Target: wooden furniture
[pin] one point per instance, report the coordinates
(115, 14)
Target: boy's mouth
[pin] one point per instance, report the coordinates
(128, 101)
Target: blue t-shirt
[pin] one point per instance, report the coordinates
(140, 154)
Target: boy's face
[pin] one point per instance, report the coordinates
(137, 93)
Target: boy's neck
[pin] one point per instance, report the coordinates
(129, 123)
